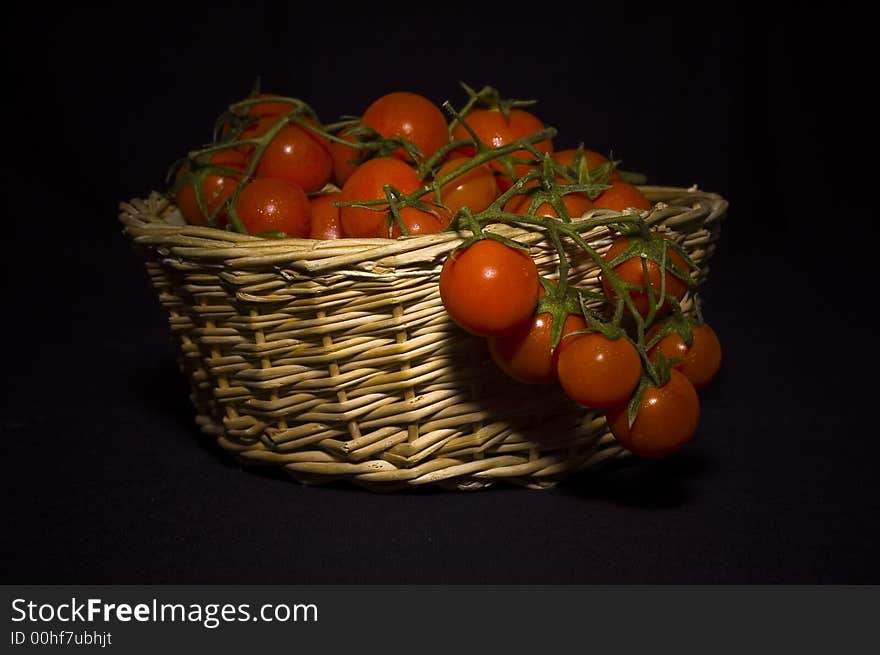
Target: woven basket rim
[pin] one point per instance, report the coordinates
(152, 222)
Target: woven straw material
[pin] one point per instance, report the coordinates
(337, 361)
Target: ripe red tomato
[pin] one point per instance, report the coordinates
(325, 217)
(596, 371)
(493, 129)
(269, 108)
(577, 205)
(630, 272)
(344, 158)
(667, 419)
(700, 362)
(298, 156)
(409, 116)
(525, 353)
(269, 204)
(592, 159)
(622, 195)
(367, 182)
(215, 189)
(489, 288)
(417, 221)
(475, 189)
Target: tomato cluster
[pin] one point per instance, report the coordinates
(402, 168)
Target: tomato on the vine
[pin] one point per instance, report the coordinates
(216, 189)
(475, 189)
(577, 204)
(297, 155)
(525, 353)
(630, 272)
(591, 158)
(410, 116)
(699, 362)
(667, 419)
(596, 371)
(417, 221)
(324, 222)
(269, 204)
(367, 183)
(345, 158)
(622, 195)
(489, 288)
(496, 130)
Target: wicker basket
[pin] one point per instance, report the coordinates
(336, 360)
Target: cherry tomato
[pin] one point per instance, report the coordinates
(525, 353)
(325, 217)
(417, 221)
(495, 131)
(475, 189)
(489, 288)
(592, 159)
(410, 116)
(367, 182)
(622, 195)
(298, 156)
(667, 419)
(596, 371)
(577, 205)
(700, 362)
(270, 204)
(215, 189)
(630, 272)
(344, 158)
(269, 108)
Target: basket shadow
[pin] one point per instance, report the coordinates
(641, 483)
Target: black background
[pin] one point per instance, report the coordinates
(107, 479)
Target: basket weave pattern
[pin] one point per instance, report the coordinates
(336, 360)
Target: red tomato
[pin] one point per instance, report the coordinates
(409, 116)
(577, 205)
(620, 196)
(344, 158)
(298, 156)
(269, 204)
(216, 189)
(417, 221)
(367, 182)
(325, 217)
(263, 109)
(495, 131)
(596, 371)
(525, 353)
(489, 288)
(700, 362)
(592, 158)
(630, 272)
(667, 419)
(475, 189)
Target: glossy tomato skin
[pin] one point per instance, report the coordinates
(417, 221)
(366, 183)
(489, 288)
(622, 195)
(577, 204)
(592, 158)
(216, 189)
(269, 204)
(493, 129)
(411, 116)
(344, 158)
(596, 371)
(667, 419)
(298, 156)
(525, 353)
(630, 271)
(700, 362)
(324, 223)
(475, 189)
